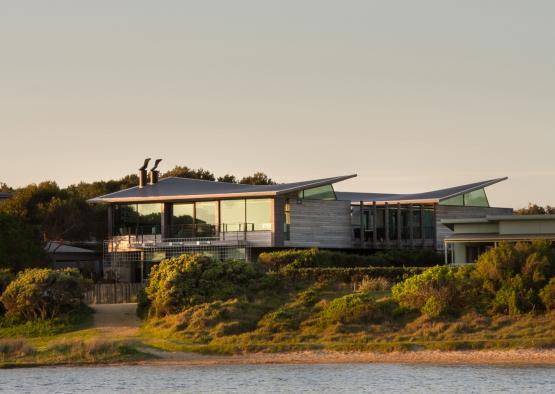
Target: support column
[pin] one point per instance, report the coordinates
(361, 214)
(110, 221)
(411, 229)
(434, 216)
(399, 226)
(374, 224)
(422, 235)
(166, 220)
(386, 224)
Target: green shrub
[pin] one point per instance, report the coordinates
(143, 304)
(315, 258)
(373, 284)
(513, 275)
(513, 298)
(438, 290)
(535, 262)
(350, 275)
(44, 293)
(352, 309)
(547, 295)
(188, 280)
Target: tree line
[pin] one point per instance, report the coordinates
(42, 212)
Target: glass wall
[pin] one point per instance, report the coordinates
(318, 193)
(183, 219)
(206, 218)
(476, 198)
(232, 214)
(246, 215)
(259, 214)
(136, 219)
(194, 219)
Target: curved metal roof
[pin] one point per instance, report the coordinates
(178, 189)
(431, 197)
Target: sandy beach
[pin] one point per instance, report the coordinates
(518, 356)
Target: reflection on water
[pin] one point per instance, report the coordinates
(328, 378)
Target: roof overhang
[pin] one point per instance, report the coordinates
(279, 190)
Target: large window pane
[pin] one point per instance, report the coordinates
(318, 193)
(205, 220)
(232, 214)
(477, 198)
(149, 218)
(182, 221)
(125, 219)
(259, 214)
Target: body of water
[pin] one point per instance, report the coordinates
(326, 378)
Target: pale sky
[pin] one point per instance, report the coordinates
(410, 95)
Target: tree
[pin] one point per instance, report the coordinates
(20, 244)
(534, 209)
(228, 178)
(5, 188)
(44, 293)
(258, 178)
(186, 172)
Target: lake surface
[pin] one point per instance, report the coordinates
(328, 378)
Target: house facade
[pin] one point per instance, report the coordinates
(471, 237)
(159, 219)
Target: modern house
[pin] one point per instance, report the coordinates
(159, 219)
(472, 237)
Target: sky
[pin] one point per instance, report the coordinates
(409, 95)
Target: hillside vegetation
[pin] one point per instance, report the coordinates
(504, 300)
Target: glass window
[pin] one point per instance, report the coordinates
(125, 219)
(259, 214)
(232, 214)
(205, 220)
(287, 224)
(318, 193)
(477, 198)
(457, 200)
(206, 212)
(150, 216)
(182, 220)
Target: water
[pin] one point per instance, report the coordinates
(329, 378)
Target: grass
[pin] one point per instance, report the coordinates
(327, 315)
(75, 320)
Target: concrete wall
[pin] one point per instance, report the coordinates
(476, 228)
(318, 223)
(527, 227)
(455, 212)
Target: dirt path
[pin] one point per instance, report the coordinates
(117, 319)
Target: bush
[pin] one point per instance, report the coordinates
(314, 258)
(352, 309)
(547, 295)
(514, 273)
(350, 275)
(374, 284)
(188, 280)
(438, 290)
(44, 293)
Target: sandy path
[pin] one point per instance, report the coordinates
(116, 319)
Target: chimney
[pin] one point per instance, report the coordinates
(154, 173)
(142, 174)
